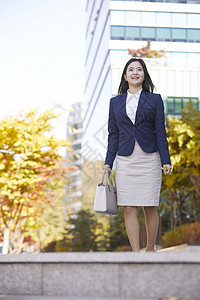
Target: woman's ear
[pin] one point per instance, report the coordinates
(125, 77)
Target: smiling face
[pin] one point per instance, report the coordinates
(134, 75)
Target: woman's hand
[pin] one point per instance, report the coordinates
(107, 168)
(167, 169)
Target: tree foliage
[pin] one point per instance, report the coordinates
(187, 233)
(117, 231)
(31, 170)
(184, 145)
(81, 234)
(146, 51)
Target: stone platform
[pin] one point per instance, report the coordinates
(100, 275)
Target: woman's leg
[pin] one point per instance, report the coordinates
(152, 222)
(132, 226)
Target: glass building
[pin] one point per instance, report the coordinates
(112, 28)
(73, 157)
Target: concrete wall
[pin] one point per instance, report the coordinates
(102, 275)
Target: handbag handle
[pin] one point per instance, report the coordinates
(107, 179)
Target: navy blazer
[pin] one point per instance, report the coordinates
(149, 128)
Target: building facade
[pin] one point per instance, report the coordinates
(73, 157)
(112, 28)
(173, 27)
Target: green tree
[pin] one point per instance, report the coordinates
(81, 234)
(31, 170)
(117, 231)
(191, 117)
(184, 145)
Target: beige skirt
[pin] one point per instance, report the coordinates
(138, 178)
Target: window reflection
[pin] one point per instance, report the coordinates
(133, 16)
(179, 34)
(161, 18)
(179, 19)
(132, 33)
(176, 104)
(117, 16)
(194, 35)
(148, 33)
(193, 20)
(148, 17)
(117, 32)
(163, 34)
(155, 34)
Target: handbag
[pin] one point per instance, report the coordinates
(106, 197)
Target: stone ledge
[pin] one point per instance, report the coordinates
(104, 257)
(101, 275)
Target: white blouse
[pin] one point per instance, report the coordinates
(132, 104)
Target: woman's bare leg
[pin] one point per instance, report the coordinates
(152, 222)
(132, 226)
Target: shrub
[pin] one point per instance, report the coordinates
(188, 233)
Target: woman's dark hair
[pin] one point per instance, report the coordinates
(147, 84)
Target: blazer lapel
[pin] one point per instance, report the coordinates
(142, 99)
(123, 107)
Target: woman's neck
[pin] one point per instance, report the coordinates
(134, 89)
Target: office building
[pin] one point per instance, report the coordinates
(112, 28)
(73, 158)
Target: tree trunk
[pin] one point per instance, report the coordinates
(194, 206)
(6, 240)
(172, 214)
(179, 212)
(16, 241)
(159, 235)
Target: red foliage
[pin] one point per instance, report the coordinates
(146, 52)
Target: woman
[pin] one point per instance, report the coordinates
(137, 136)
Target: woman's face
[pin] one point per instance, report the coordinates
(134, 74)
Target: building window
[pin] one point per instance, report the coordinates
(170, 105)
(155, 34)
(179, 34)
(176, 104)
(193, 35)
(163, 18)
(117, 16)
(132, 33)
(131, 16)
(77, 147)
(193, 20)
(148, 17)
(148, 33)
(179, 19)
(163, 34)
(117, 32)
(193, 59)
(195, 102)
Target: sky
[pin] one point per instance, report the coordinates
(42, 53)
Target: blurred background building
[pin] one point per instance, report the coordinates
(73, 195)
(113, 27)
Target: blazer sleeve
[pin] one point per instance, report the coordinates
(161, 132)
(113, 137)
